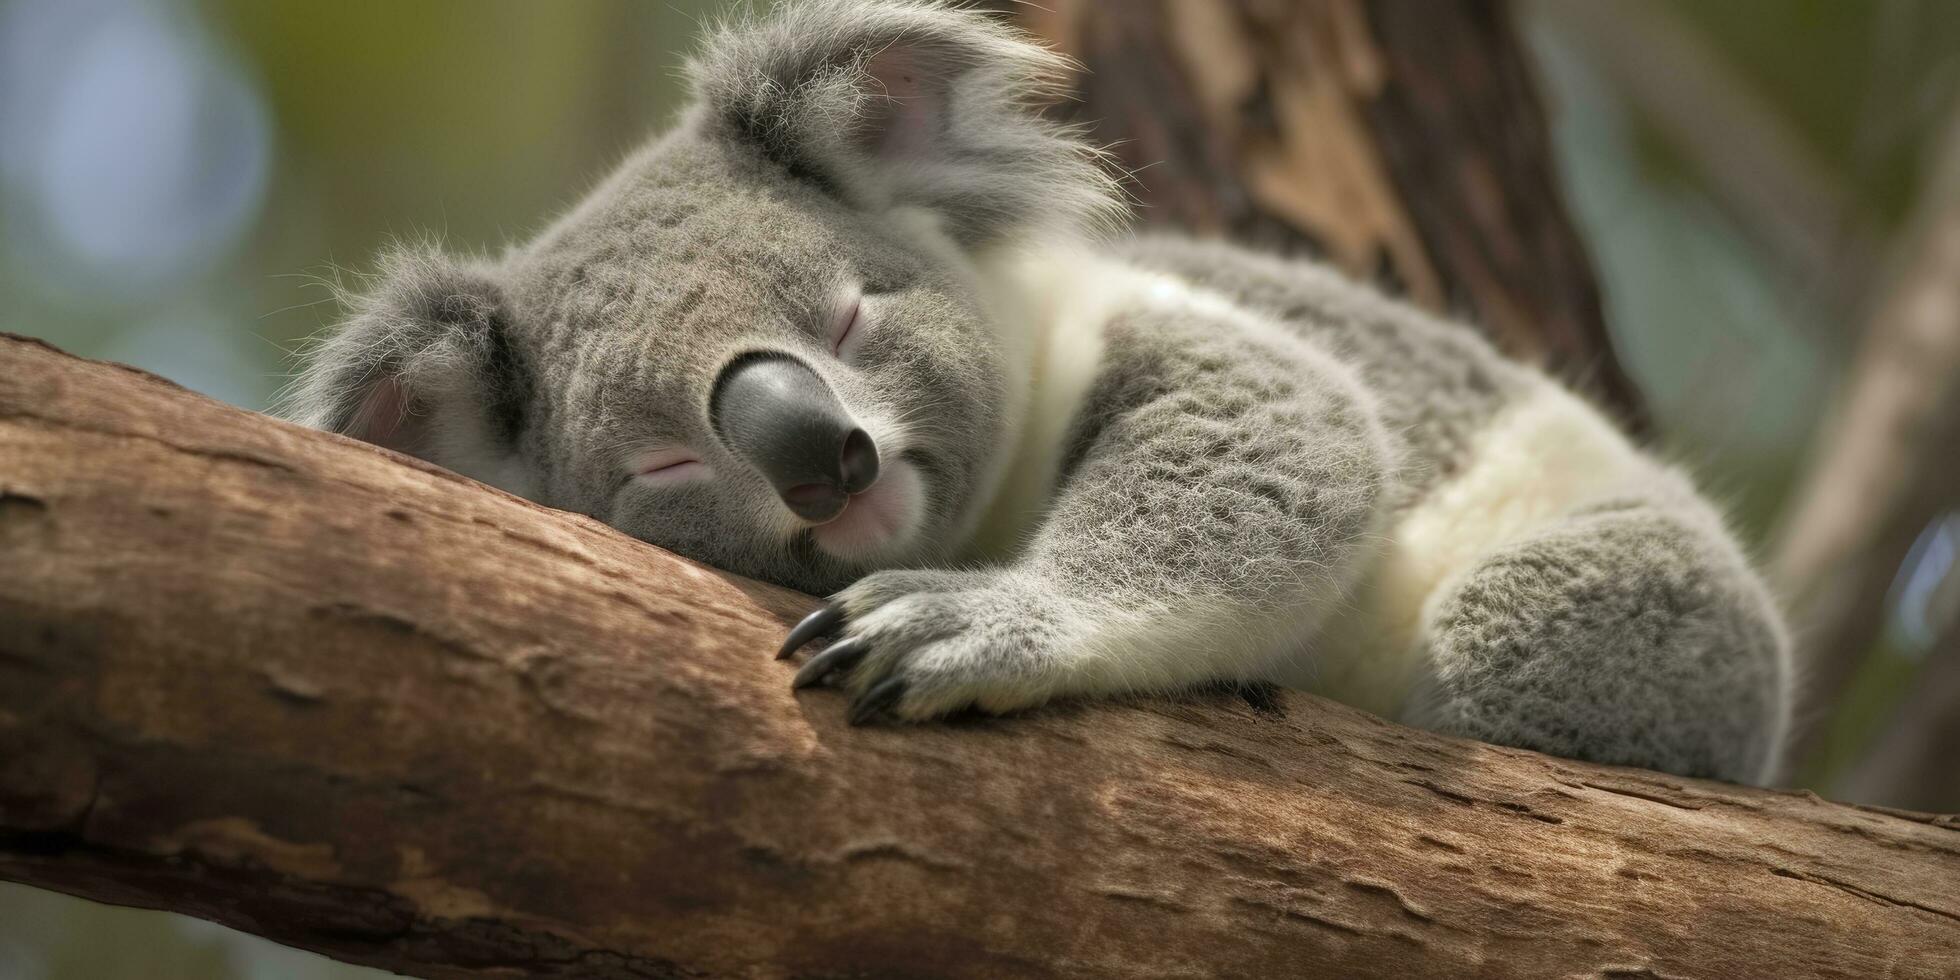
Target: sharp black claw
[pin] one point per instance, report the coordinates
(837, 656)
(814, 625)
(873, 703)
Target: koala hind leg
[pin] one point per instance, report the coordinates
(1629, 631)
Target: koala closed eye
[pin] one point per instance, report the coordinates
(847, 325)
(668, 466)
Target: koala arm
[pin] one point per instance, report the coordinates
(1224, 490)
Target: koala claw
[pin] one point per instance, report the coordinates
(816, 624)
(841, 655)
(873, 702)
(916, 645)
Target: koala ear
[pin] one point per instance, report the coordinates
(423, 365)
(894, 104)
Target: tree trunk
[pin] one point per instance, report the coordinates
(1402, 140)
(320, 692)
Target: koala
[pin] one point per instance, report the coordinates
(864, 322)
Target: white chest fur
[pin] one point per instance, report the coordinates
(1060, 299)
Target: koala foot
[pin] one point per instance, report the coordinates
(1630, 633)
(917, 645)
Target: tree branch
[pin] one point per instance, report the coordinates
(357, 704)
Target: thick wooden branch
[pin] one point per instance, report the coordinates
(303, 687)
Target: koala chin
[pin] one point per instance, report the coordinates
(863, 322)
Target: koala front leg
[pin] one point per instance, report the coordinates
(1224, 503)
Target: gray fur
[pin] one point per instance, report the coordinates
(838, 91)
(1217, 482)
(1435, 384)
(1233, 476)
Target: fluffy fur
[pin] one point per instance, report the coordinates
(1130, 465)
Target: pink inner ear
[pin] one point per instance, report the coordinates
(906, 103)
(382, 417)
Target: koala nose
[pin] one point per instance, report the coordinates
(779, 417)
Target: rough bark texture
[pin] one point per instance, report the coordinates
(316, 691)
(1400, 139)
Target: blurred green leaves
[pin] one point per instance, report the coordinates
(1865, 82)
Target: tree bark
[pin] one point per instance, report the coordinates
(1402, 140)
(323, 693)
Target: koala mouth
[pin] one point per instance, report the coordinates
(877, 521)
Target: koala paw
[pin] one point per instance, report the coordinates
(916, 645)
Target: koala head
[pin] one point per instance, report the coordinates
(766, 341)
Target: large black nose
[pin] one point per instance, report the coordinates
(779, 417)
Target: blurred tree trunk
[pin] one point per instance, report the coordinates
(1402, 140)
(1915, 761)
(1888, 462)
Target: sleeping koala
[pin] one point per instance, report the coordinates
(861, 323)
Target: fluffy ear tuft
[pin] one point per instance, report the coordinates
(423, 365)
(906, 103)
